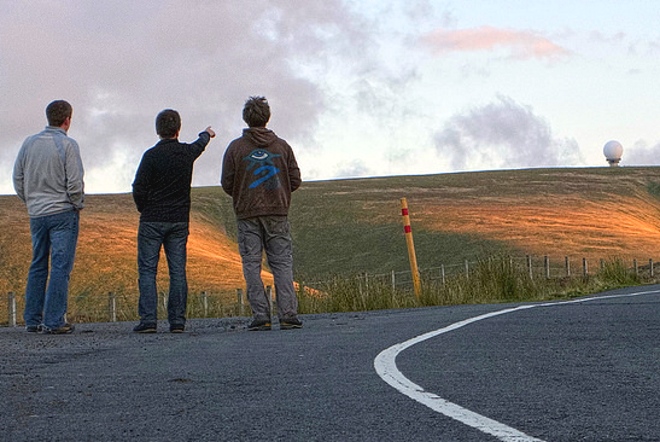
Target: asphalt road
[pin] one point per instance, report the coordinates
(585, 371)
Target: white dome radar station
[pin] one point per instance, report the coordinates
(613, 151)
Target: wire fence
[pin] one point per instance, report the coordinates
(112, 307)
(536, 267)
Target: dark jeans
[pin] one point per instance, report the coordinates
(272, 234)
(54, 238)
(174, 238)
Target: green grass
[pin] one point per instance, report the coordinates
(497, 279)
(353, 226)
(343, 229)
(654, 189)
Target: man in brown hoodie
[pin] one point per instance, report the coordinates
(259, 172)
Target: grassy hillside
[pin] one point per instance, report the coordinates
(355, 225)
(351, 226)
(107, 250)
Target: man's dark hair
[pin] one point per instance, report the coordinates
(58, 111)
(256, 112)
(168, 123)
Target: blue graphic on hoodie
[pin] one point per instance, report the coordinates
(265, 171)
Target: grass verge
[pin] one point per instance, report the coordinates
(494, 280)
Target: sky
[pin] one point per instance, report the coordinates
(358, 88)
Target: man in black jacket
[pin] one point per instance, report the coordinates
(259, 172)
(161, 191)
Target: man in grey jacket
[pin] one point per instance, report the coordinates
(48, 178)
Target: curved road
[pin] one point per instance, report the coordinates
(578, 371)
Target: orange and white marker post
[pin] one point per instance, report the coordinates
(411, 247)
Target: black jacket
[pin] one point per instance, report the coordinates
(161, 189)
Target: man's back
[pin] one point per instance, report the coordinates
(162, 183)
(260, 176)
(48, 174)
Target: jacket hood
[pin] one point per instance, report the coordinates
(261, 136)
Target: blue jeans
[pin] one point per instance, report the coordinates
(272, 234)
(54, 239)
(174, 238)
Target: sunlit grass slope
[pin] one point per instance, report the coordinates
(107, 250)
(588, 212)
(349, 226)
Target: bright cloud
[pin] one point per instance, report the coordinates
(641, 154)
(520, 44)
(357, 87)
(503, 134)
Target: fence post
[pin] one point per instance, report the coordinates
(412, 257)
(393, 282)
(602, 263)
(239, 298)
(568, 266)
(467, 269)
(11, 304)
(585, 268)
(651, 268)
(442, 270)
(529, 266)
(112, 306)
(546, 265)
(205, 303)
(635, 266)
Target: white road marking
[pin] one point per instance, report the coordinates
(385, 365)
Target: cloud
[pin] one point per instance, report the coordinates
(609, 39)
(641, 154)
(352, 169)
(119, 63)
(520, 44)
(503, 134)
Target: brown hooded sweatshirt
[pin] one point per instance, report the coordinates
(259, 172)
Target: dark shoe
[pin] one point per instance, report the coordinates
(145, 328)
(290, 324)
(62, 330)
(259, 325)
(34, 328)
(177, 328)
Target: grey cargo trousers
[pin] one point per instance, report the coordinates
(272, 235)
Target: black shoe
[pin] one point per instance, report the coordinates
(145, 328)
(62, 330)
(259, 325)
(177, 328)
(34, 328)
(290, 324)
